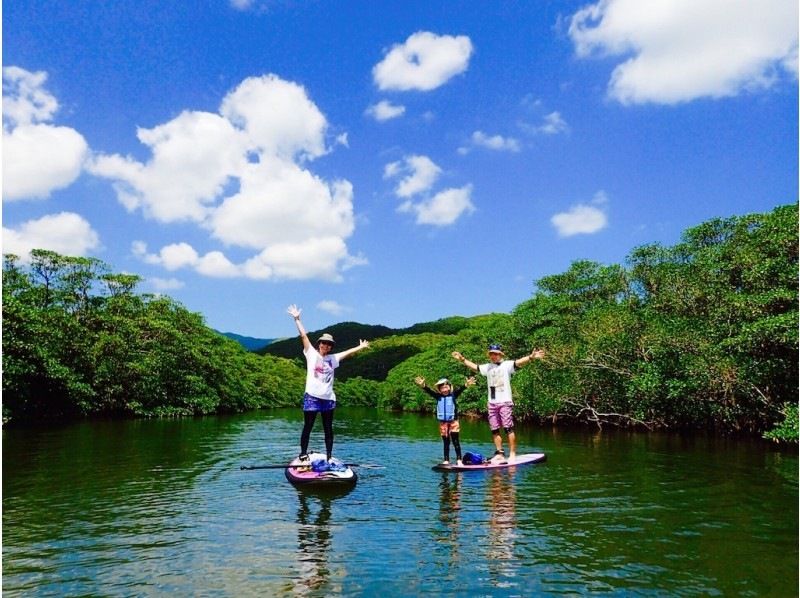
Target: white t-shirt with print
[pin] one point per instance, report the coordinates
(319, 373)
(498, 378)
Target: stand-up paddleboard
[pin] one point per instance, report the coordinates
(526, 459)
(302, 474)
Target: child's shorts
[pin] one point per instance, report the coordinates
(446, 427)
(500, 416)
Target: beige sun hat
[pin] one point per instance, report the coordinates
(326, 338)
(442, 381)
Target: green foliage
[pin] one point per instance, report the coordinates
(357, 392)
(787, 430)
(78, 341)
(701, 334)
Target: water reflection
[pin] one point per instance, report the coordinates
(155, 507)
(449, 512)
(501, 502)
(313, 569)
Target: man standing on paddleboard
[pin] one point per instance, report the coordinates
(319, 395)
(498, 374)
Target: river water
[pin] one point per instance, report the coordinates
(149, 508)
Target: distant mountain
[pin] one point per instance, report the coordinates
(346, 334)
(248, 342)
(394, 344)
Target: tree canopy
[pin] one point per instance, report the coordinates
(703, 334)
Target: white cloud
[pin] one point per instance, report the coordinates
(496, 143)
(215, 265)
(424, 62)
(277, 117)
(165, 284)
(25, 100)
(66, 233)
(242, 175)
(280, 202)
(681, 50)
(385, 110)
(421, 173)
(178, 255)
(332, 307)
(182, 255)
(320, 258)
(553, 124)
(444, 208)
(242, 4)
(38, 158)
(582, 218)
(194, 156)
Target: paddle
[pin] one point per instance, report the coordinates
(365, 465)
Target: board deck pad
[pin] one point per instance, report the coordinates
(302, 474)
(526, 459)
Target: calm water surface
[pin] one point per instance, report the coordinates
(150, 508)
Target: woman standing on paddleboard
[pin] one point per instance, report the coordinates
(319, 395)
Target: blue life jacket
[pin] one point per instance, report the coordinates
(446, 409)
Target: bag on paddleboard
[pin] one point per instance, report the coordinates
(472, 459)
(322, 465)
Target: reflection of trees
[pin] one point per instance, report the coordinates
(449, 507)
(313, 541)
(502, 499)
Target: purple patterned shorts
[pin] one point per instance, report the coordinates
(500, 416)
(314, 404)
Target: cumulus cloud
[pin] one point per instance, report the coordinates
(322, 258)
(194, 156)
(496, 143)
(584, 218)
(66, 233)
(38, 157)
(182, 255)
(424, 62)
(420, 174)
(332, 307)
(444, 208)
(319, 258)
(385, 110)
(681, 50)
(242, 174)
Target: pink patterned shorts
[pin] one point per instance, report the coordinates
(500, 415)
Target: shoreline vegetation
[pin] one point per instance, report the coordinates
(699, 335)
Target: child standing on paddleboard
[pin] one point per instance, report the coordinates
(447, 412)
(498, 374)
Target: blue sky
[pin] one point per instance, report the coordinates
(385, 162)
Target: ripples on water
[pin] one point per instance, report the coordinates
(151, 508)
